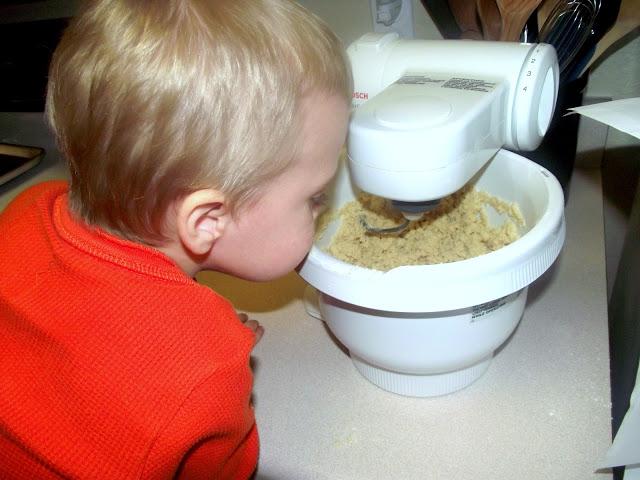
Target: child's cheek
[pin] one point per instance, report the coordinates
(310, 235)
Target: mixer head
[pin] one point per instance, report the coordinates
(431, 114)
(417, 141)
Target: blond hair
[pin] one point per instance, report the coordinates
(153, 99)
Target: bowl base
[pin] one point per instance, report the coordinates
(416, 385)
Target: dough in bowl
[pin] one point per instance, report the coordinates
(466, 224)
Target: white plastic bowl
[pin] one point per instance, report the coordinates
(432, 329)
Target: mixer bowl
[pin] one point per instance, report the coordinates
(430, 330)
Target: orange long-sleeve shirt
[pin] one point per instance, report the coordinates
(113, 363)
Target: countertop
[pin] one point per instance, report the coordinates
(541, 411)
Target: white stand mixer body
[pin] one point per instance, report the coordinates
(429, 114)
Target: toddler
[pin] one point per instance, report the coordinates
(199, 134)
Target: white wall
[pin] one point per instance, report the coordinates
(350, 19)
(617, 75)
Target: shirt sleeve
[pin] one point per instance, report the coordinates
(200, 463)
(213, 433)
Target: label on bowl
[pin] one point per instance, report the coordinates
(487, 308)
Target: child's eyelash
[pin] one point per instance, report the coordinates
(319, 200)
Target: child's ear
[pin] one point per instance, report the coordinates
(201, 219)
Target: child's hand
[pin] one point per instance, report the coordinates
(252, 325)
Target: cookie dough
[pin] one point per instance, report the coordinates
(458, 229)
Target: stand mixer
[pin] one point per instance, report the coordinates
(431, 117)
(429, 114)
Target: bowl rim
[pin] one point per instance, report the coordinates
(483, 278)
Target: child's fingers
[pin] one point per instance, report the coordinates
(259, 331)
(252, 325)
(256, 328)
